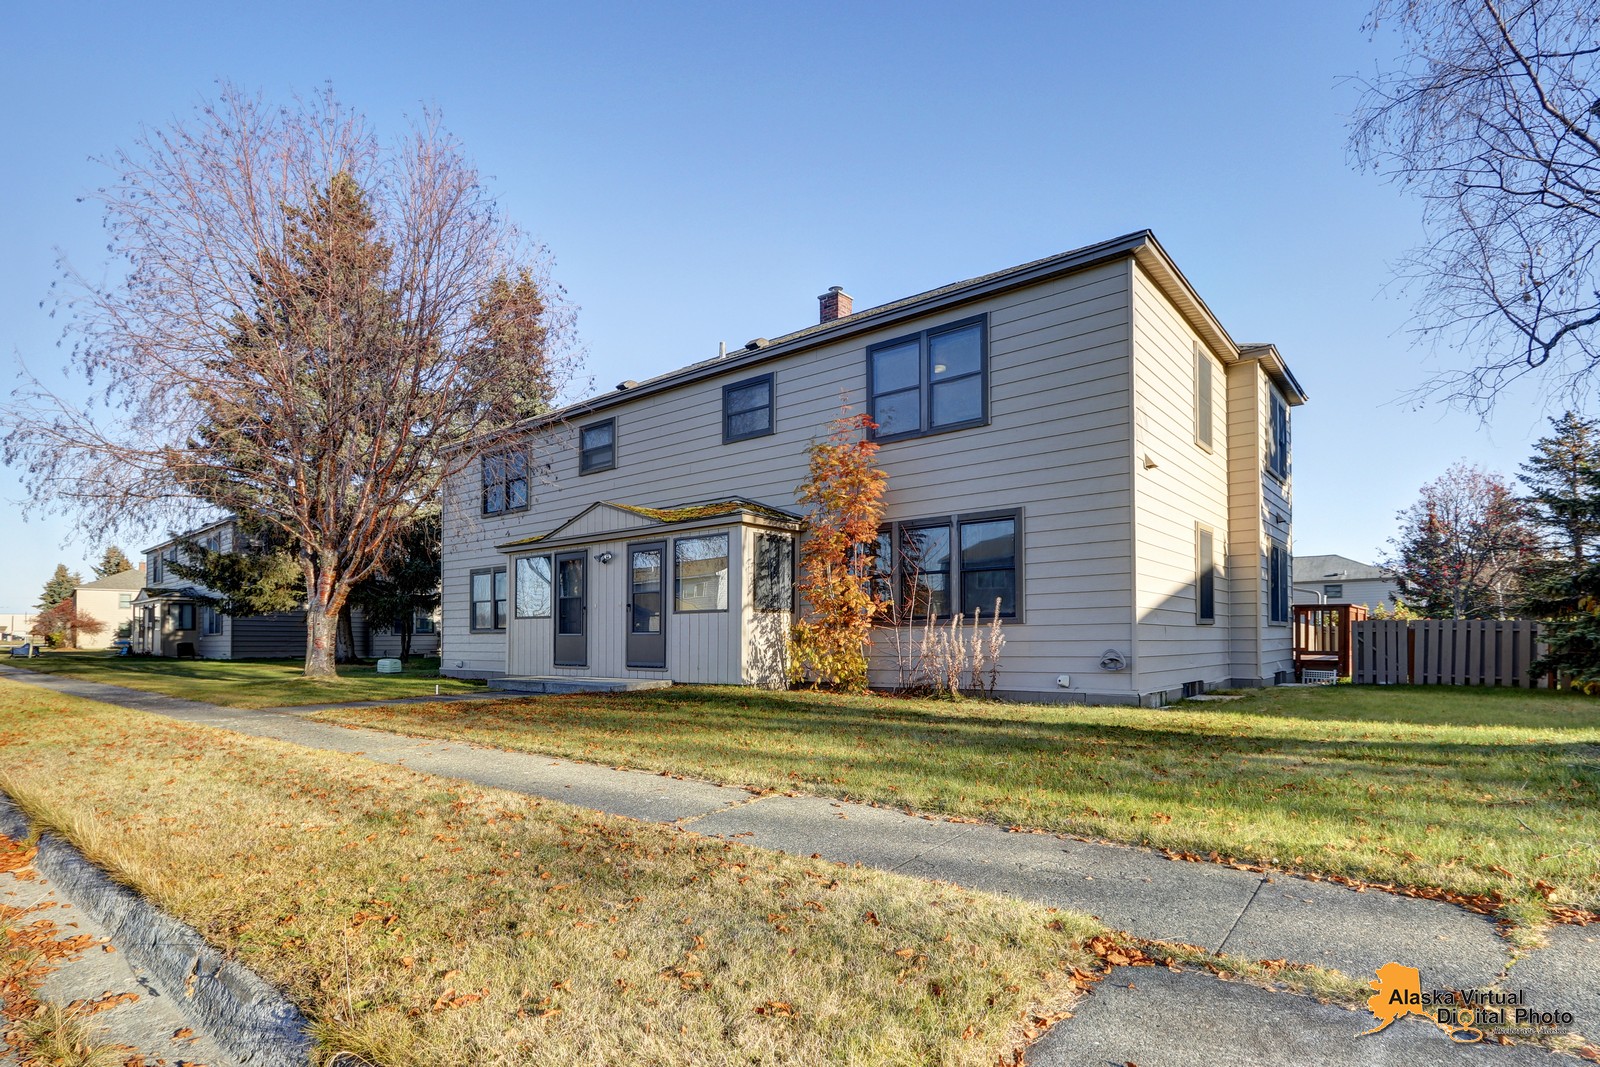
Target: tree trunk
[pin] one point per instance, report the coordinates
(345, 650)
(405, 636)
(322, 638)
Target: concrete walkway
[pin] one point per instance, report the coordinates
(1273, 916)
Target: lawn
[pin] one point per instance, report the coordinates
(1492, 794)
(267, 683)
(417, 920)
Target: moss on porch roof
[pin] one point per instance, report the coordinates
(678, 514)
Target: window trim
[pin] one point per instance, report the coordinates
(505, 482)
(1333, 591)
(213, 622)
(787, 553)
(728, 436)
(516, 587)
(1205, 414)
(925, 427)
(957, 569)
(179, 611)
(495, 614)
(1205, 574)
(584, 466)
(727, 562)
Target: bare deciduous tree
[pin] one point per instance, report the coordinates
(310, 328)
(1494, 120)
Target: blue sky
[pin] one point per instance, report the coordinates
(702, 172)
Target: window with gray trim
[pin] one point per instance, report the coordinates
(597, 447)
(535, 588)
(488, 600)
(1334, 591)
(183, 617)
(213, 621)
(1204, 389)
(505, 482)
(955, 565)
(700, 573)
(774, 572)
(747, 409)
(930, 382)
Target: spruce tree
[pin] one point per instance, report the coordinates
(1563, 480)
(115, 561)
(59, 587)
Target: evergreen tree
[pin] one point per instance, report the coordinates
(259, 577)
(407, 581)
(1563, 480)
(59, 587)
(115, 561)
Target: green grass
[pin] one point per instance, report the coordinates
(420, 921)
(1478, 792)
(247, 683)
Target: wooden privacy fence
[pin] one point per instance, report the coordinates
(1446, 652)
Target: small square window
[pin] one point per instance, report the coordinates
(747, 409)
(1334, 591)
(597, 447)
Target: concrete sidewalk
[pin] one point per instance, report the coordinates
(1272, 916)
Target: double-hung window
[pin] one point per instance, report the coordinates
(597, 447)
(213, 621)
(747, 409)
(505, 482)
(488, 603)
(929, 382)
(963, 564)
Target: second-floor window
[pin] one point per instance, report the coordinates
(1203, 390)
(1278, 439)
(929, 382)
(747, 409)
(505, 482)
(597, 447)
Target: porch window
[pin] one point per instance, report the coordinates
(700, 573)
(929, 382)
(774, 572)
(488, 601)
(183, 614)
(535, 590)
(747, 409)
(597, 447)
(505, 482)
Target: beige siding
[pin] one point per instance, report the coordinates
(1057, 446)
(1247, 558)
(1180, 485)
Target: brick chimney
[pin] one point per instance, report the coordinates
(835, 304)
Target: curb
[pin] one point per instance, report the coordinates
(247, 1017)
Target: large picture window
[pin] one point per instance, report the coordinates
(505, 482)
(930, 382)
(535, 589)
(488, 602)
(597, 447)
(957, 565)
(747, 409)
(700, 573)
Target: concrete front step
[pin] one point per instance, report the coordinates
(567, 684)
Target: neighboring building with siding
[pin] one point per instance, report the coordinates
(1078, 437)
(1342, 580)
(170, 615)
(109, 600)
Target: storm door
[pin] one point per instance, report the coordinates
(646, 620)
(572, 609)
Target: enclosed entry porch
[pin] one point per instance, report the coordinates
(696, 593)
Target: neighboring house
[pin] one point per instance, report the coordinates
(171, 615)
(16, 625)
(1342, 580)
(1078, 437)
(110, 600)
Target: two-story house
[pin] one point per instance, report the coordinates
(1078, 439)
(171, 616)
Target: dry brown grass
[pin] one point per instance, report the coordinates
(421, 921)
